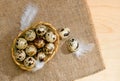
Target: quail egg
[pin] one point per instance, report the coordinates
(20, 55)
(31, 50)
(72, 45)
(41, 56)
(39, 43)
(64, 33)
(49, 48)
(29, 62)
(41, 30)
(30, 35)
(21, 43)
(50, 36)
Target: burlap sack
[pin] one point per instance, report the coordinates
(61, 13)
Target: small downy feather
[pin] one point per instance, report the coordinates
(28, 15)
(39, 65)
(83, 48)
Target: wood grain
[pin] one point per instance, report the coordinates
(106, 18)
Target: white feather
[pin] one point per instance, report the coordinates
(83, 48)
(39, 65)
(28, 15)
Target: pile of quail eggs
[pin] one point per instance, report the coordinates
(35, 44)
(38, 44)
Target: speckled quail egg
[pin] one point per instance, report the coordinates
(30, 35)
(41, 56)
(21, 43)
(39, 43)
(20, 55)
(29, 62)
(31, 50)
(72, 45)
(50, 36)
(49, 48)
(41, 30)
(64, 33)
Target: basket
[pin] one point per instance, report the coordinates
(56, 43)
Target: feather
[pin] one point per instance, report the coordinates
(39, 65)
(28, 15)
(83, 48)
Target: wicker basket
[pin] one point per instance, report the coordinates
(56, 43)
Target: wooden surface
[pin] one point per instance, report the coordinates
(106, 19)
